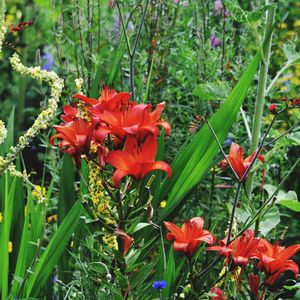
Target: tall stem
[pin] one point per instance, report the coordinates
(260, 100)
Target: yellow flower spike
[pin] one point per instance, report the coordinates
(163, 204)
(1, 217)
(10, 247)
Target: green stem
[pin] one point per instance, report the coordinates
(260, 100)
(149, 79)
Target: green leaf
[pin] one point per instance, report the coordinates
(53, 251)
(269, 221)
(291, 54)
(116, 62)
(293, 287)
(5, 231)
(240, 15)
(169, 274)
(212, 91)
(288, 200)
(140, 226)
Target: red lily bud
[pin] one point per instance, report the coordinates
(219, 294)
(128, 240)
(253, 281)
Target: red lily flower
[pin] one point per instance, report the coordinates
(189, 236)
(137, 120)
(70, 113)
(253, 281)
(76, 137)
(237, 161)
(128, 240)
(109, 100)
(274, 260)
(219, 294)
(241, 249)
(136, 159)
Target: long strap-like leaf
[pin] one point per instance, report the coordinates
(53, 251)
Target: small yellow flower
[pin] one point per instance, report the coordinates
(290, 34)
(38, 189)
(284, 88)
(297, 23)
(282, 25)
(163, 204)
(1, 217)
(10, 247)
(52, 219)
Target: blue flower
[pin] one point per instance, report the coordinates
(49, 61)
(159, 284)
(228, 142)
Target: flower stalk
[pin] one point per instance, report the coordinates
(260, 100)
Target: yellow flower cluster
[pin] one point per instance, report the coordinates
(44, 118)
(99, 198)
(39, 190)
(111, 241)
(82, 111)
(36, 188)
(101, 203)
(2, 26)
(3, 132)
(79, 83)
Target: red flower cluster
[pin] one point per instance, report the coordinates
(272, 108)
(273, 259)
(237, 161)
(189, 236)
(122, 133)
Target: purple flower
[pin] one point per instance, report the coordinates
(214, 42)
(159, 285)
(117, 25)
(48, 62)
(176, 1)
(219, 8)
(130, 26)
